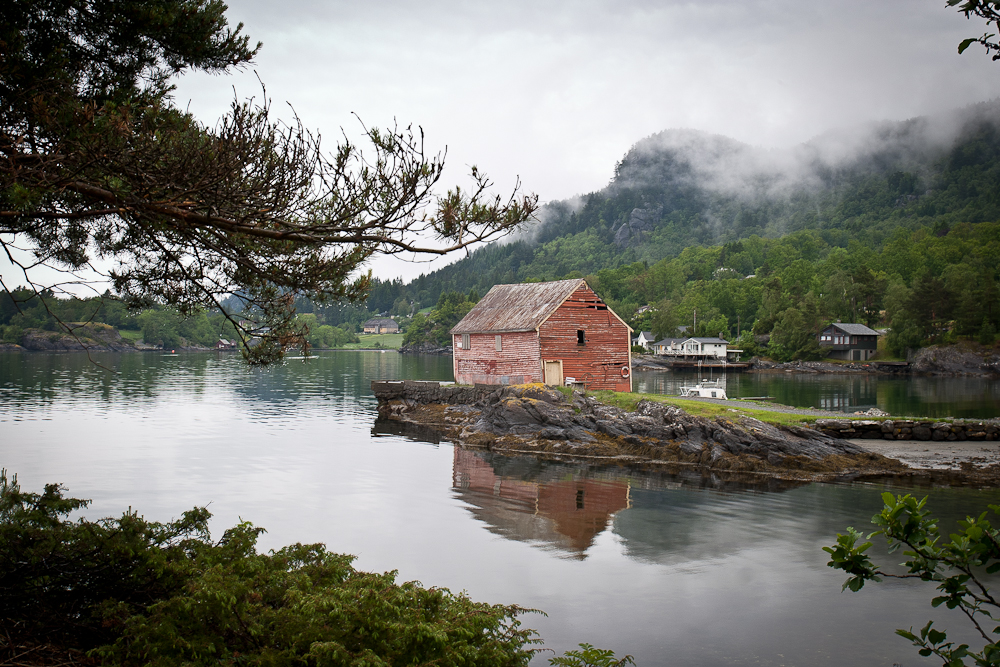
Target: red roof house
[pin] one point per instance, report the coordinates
(543, 332)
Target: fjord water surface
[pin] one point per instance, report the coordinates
(676, 568)
(913, 396)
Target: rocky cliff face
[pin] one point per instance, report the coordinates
(966, 359)
(533, 418)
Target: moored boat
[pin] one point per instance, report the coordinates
(705, 389)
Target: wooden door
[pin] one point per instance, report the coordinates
(553, 373)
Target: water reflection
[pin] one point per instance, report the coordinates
(556, 506)
(917, 396)
(135, 380)
(565, 506)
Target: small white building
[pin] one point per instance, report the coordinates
(645, 339)
(705, 347)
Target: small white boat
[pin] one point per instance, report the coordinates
(705, 389)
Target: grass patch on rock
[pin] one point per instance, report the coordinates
(629, 401)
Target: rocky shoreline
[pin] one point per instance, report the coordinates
(86, 338)
(425, 348)
(544, 422)
(97, 337)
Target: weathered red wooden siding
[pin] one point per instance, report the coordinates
(600, 361)
(517, 363)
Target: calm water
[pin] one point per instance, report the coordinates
(916, 396)
(677, 569)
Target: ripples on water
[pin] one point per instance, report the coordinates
(674, 567)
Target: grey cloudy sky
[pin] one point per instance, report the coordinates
(556, 91)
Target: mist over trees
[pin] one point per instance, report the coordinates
(864, 225)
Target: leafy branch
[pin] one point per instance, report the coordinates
(956, 564)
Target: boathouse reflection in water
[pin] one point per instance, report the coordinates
(564, 514)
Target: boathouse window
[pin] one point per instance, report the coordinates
(580, 339)
(466, 343)
(499, 344)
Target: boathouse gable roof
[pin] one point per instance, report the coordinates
(521, 307)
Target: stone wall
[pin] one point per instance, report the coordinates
(898, 429)
(415, 392)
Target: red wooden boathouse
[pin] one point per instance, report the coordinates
(543, 332)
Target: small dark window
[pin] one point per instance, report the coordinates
(580, 340)
(579, 499)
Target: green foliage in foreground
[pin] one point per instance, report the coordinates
(588, 656)
(129, 591)
(957, 566)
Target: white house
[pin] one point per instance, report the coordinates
(705, 347)
(645, 339)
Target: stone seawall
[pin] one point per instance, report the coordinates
(890, 429)
(416, 392)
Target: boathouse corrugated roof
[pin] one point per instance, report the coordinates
(523, 307)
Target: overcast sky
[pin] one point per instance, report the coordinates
(557, 91)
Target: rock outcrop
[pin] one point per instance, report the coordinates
(965, 359)
(537, 419)
(84, 337)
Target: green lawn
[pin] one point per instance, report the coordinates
(129, 334)
(368, 341)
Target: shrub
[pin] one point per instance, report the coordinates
(129, 591)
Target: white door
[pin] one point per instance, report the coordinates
(553, 373)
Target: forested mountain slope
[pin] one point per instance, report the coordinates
(683, 188)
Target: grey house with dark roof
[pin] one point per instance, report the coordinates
(851, 342)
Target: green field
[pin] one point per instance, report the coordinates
(368, 341)
(130, 334)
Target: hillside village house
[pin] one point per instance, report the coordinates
(851, 342)
(380, 325)
(543, 332)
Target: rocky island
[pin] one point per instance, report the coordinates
(563, 424)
